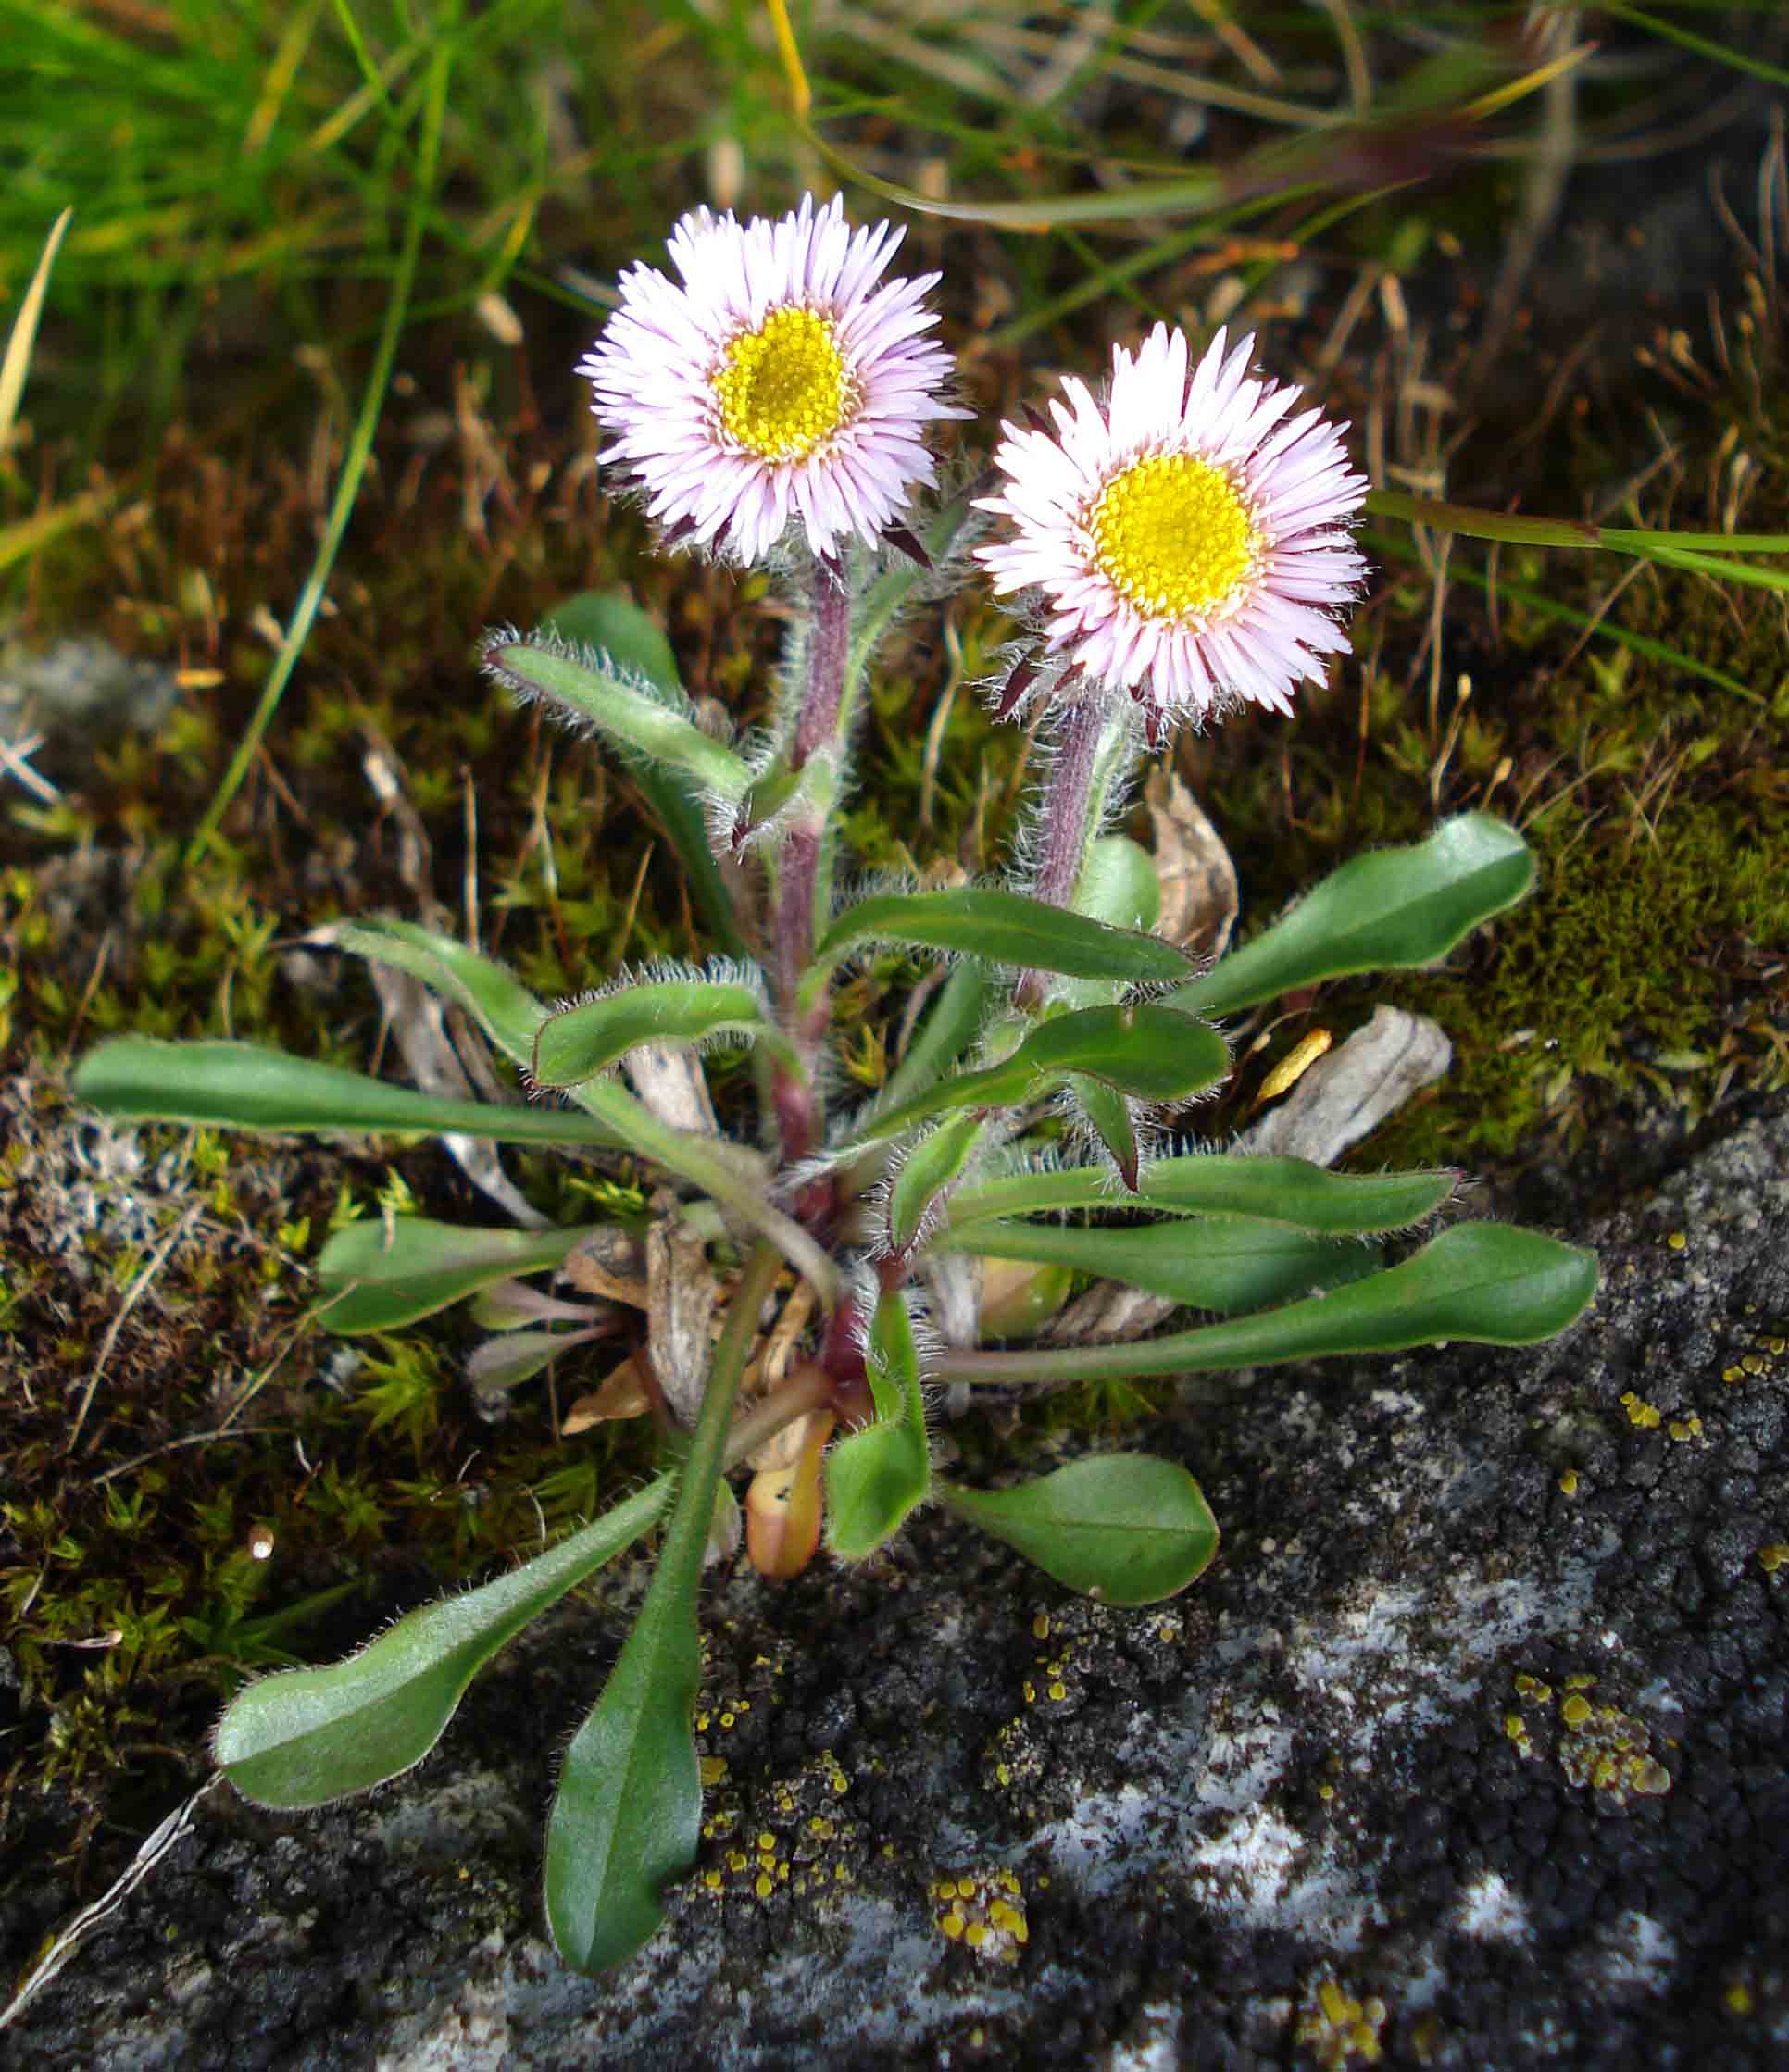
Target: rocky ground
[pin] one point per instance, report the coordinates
(1468, 1751)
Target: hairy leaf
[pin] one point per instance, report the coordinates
(929, 1171)
(307, 1736)
(622, 710)
(628, 1812)
(1128, 1528)
(1383, 912)
(1107, 1113)
(1288, 1191)
(1223, 1263)
(1156, 1054)
(1005, 928)
(875, 1476)
(945, 1036)
(502, 1006)
(382, 1276)
(246, 1086)
(610, 620)
(1488, 1283)
(576, 1043)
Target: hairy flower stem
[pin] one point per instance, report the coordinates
(797, 870)
(829, 645)
(1063, 823)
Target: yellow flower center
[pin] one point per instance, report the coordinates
(783, 388)
(1172, 536)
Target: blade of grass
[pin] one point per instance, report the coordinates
(359, 451)
(1704, 47)
(1549, 608)
(1689, 550)
(24, 332)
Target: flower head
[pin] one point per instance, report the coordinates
(778, 382)
(1187, 538)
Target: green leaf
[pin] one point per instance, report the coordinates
(641, 719)
(610, 620)
(495, 999)
(1223, 1263)
(1128, 1528)
(508, 1362)
(1005, 928)
(382, 1276)
(1487, 1284)
(307, 1736)
(1390, 911)
(933, 1166)
(1153, 1053)
(1107, 1113)
(615, 625)
(245, 1086)
(1289, 1191)
(628, 1812)
(578, 1042)
(875, 1476)
(1119, 884)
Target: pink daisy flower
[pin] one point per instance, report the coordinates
(778, 383)
(1186, 537)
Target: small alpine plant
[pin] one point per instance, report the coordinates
(1175, 546)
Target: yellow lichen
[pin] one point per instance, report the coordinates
(985, 1911)
(1338, 2027)
(1610, 1750)
(1774, 1557)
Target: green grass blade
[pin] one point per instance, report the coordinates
(353, 465)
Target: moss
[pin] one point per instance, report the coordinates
(1584, 988)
